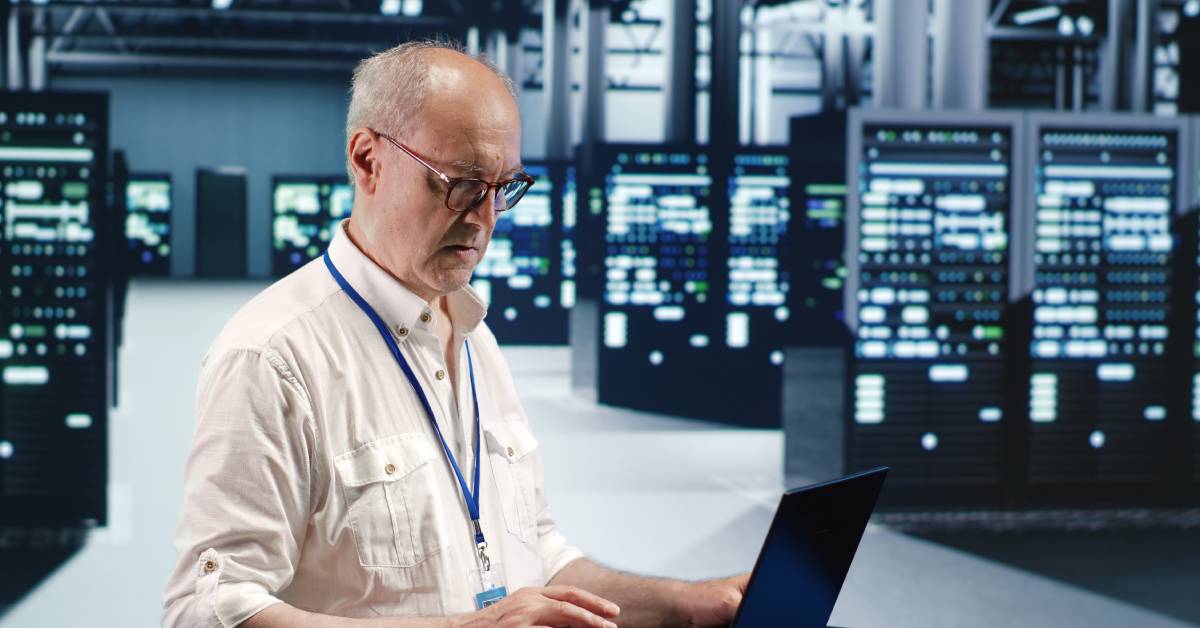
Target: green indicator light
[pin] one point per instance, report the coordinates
(831, 283)
(75, 190)
(825, 189)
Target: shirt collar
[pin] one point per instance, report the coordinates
(398, 306)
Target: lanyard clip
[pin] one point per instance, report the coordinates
(484, 561)
(481, 545)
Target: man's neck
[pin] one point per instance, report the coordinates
(360, 242)
(445, 328)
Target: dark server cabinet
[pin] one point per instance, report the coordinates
(927, 237)
(1106, 190)
(815, 259)
(755, 213)
(221, 223)
(120, 270)
(305, 211)
(56, 316)
(148, 207)
(681, 247)
(656, 315)
(1185, 430)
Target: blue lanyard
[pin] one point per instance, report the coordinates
(471, 497)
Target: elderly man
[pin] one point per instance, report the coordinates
(360, 456)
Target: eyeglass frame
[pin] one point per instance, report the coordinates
(453, 181)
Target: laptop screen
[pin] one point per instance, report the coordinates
(808, 552)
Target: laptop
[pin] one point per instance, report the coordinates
(808, 552)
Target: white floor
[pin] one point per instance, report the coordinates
(644, 493)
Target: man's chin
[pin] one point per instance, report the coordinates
(453, 281)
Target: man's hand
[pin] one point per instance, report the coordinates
(548, 606)
(712, 602)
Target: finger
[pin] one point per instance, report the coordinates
(563, 613)
(584, 599)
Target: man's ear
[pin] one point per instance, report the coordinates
(364, 160)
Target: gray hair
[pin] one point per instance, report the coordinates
(388, 89)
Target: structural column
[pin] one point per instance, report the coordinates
(724, 88)
(15, 73)
(1125, 55)
(595, 79)
(37, 51)
(960, 54)
(901, 56)
(680, 96)
(589, 239)
(555, 81)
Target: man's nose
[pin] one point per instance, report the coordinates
(484, 214)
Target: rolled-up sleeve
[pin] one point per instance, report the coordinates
(246, 491)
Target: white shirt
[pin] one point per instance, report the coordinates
(316, 479)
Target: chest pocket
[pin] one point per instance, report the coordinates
(510, 446)
(395, 509)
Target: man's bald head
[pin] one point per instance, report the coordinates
(422, 117)
(389, 90)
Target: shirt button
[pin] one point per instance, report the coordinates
(425, 317)
(402, 331)
(389, 469)
(440, 374)
(210, 566)
(511, 453)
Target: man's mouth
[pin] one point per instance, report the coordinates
(462, 252)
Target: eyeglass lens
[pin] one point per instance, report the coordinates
(467, 193)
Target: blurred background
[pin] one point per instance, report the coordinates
(770, 242)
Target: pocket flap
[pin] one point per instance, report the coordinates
(385, 460)
(510, 439)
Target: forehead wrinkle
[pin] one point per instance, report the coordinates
(471, 139)
(467, 137)
(473, 167)
(468, 166)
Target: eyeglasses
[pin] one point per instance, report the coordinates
(466, 193)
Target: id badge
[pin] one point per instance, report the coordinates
(489, 585)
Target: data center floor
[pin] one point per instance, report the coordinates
(644, 493)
